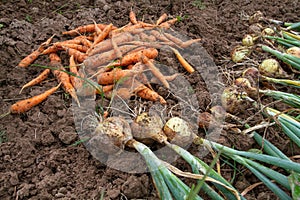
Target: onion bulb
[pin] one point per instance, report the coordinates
(233, 100)
(271, 67)
(147, 128)
(268, 31)
(256, 17)
(255, 28)
(245, 84)
(252, 74)
(295, 51)
(178, 131)
(248, 40)
(239, 53)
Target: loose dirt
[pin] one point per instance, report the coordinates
(37, 158)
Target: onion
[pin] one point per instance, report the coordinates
(267, 31)
(233, 100)
(248, 40)
(147, 128)
(295, 51)
(245, 84)
(252, 74)
(111, 135)
(256, 17)
(255, 28)
(178, 131)
(271, 67)
(239, 53)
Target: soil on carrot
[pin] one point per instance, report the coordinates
(38, 158)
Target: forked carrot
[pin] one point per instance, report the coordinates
(162, 18)
(62, 76)
(26, 104)
(146, 93)
(25, 62)
(113, 76)
(103, 34)
(99, 59)
(182, 61)
(136, 56)
(132, 17)
(36, 80)
(168, 23)
(155, 71)
(79, 56)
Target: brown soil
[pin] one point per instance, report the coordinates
(37, 160)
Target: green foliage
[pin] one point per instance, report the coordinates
(28, 18)
(294, 181)
(1, 25)
(3, 137)
(199, 4)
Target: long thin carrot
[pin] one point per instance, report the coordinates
(26, 104)
(168, 23)
(74, 78)
(182, 61)
(36, 80)
(85, 29)
(77, 47)
(155, 71)
(62, 76)
(25, 62)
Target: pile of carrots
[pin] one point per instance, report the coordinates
(110, 54)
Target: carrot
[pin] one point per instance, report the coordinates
(168, 23)
(105, 88)
(159, 36)
(62, 76)
(174, 39)
(79, 56)
(97, 29)
(52, 49)
(132, 17)
(103, 34)
(107, 78)
(78, 47)
(182, 61)
(107, 45)
(58, 46)
(135, 57)
(155, 71)
(85, 29)
(123, 93)
(189, 42)
(84, 41)
(36, 80)
(146, 93)
(25, 62)
(76, 82)
(99, 59)
(162, 18)
(148, 38)
(115, 47)
(26, 104)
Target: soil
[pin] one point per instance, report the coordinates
(37, 158)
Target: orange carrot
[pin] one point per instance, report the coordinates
(99, 59)
(107, 45)
(84, 41)
(79, 56)
(135, 57)
(168, 23)
(146, 93)
(26, 104)
(25, 62)
(85, 29)
(105, 88)
(103, 34)
(182, 61)
(58, 46)
(113, 76)
(132, 17)
(123, 93)
(115, 47)
(159, 36)
(36, 80)
(162, 18)
(78, 47)
(155, 71)
(174, 39)
(97, 29)
(189, 42)
(62, 76)
(76, 82)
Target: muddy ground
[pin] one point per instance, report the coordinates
(37, 158)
